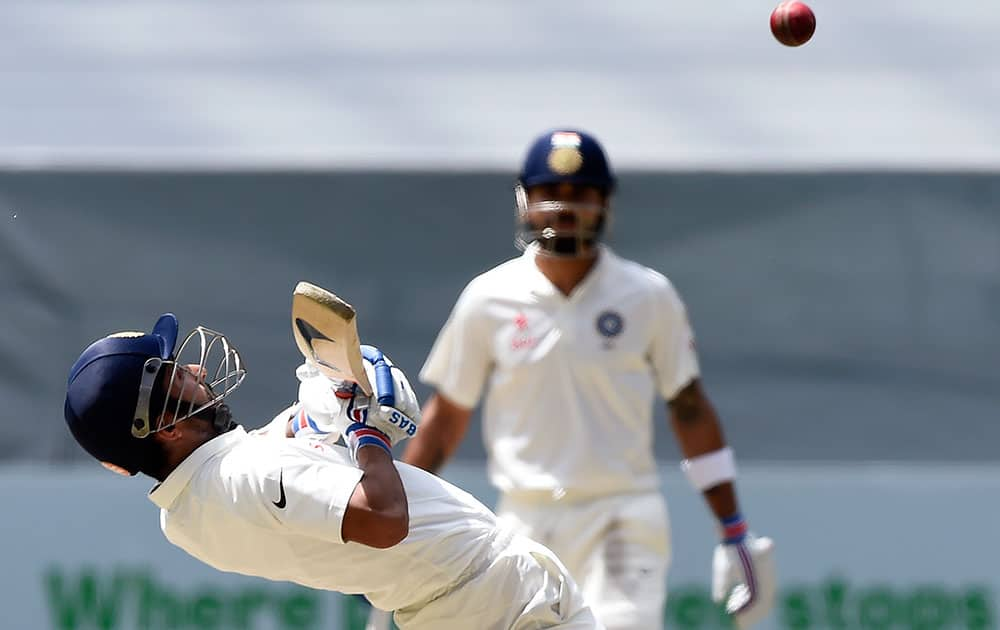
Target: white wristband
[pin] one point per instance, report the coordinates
(711, 469)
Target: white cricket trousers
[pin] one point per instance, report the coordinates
(523, 587)
(617, 548)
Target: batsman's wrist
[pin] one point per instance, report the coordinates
(361, 435)
(733, 529)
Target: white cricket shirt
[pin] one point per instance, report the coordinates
(570, 380)
(265, 505)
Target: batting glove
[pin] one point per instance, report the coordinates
(392, 408)
(319, 413)
(743, 573)
(328, 408)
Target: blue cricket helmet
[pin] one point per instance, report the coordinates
(102, 392)
(563, 156)
(567, 156)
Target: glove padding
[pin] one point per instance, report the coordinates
(330, 407)
(397, 415)
(744, 576)
(315, 415)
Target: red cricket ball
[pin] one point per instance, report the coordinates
(792, 23)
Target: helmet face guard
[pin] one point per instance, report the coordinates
(214, 370)
(559, 228)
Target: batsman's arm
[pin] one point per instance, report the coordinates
(699, 432)
(743, 570)
(441, 431)
(378, 513)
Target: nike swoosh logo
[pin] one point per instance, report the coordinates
(280, 503)
(310, 333)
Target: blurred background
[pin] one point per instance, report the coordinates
(829, 213)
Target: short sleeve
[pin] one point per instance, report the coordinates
(460, 360)
(672, 352)
(313, 489)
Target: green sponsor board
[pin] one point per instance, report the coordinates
(835, 604)
(133, 599)
(840, 604)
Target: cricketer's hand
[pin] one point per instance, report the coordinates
(392, 408)
(329, 407)
(744, 576)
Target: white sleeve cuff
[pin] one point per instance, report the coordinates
(709, 470)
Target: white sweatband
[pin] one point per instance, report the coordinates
(711, 469)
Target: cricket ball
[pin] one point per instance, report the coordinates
(792, 23)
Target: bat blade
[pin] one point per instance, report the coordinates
(326, 333)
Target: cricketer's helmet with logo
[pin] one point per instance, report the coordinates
(562, 156)
(567, 156)
(112, 386)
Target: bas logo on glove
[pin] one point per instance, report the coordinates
(404, 423)
(384, 418)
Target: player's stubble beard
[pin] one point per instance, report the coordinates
(578, 246)
(572, 247)
(222, 419)
(154, 458)
(212, 423)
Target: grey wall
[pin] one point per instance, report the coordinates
(839, 316)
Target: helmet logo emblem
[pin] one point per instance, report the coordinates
(565, 157)
(128, 334)
(565, 160)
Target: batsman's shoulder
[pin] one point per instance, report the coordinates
(261, 463)
(648, 279)
(497, 281)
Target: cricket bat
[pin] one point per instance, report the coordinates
(326, 332)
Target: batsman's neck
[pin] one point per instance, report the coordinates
(566, 273)
(187, 437)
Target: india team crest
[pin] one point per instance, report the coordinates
(565, 160)
(565, 157)
(610, 324)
